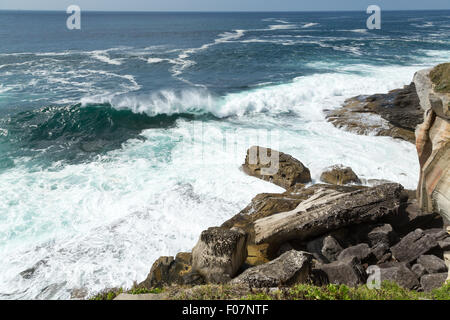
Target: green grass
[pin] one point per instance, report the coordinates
(388, 291)
(440, 76)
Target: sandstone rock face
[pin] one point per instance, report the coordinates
(413, 246)
(394, 114)
(219, 254)
(433, 146)
(340, 175)
(276, 167)
(329, 210)
(289, 268)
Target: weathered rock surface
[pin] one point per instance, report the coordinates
(329, 210)
(325, 249)
(219, 254)
(433, 281)
(419, 270)
(394, 114)
(401, 275)
(382, 234)
(268, 204)
(361, 251)
(433, 142)
(340, 175)
(170, 270)
(348, 272)
(289, 268)
(432, 264)
(276, 167)
(413, 246)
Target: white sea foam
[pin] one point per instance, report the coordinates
(282, 26)
(309, 25)
(104, 57)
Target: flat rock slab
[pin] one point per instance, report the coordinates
(328, 210)
(413, 245)
(289, 268)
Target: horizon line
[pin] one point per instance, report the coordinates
(217, 11)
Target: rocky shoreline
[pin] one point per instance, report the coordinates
(339, 231)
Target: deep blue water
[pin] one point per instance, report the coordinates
(95, 121)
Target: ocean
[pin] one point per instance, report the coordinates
(122, 141)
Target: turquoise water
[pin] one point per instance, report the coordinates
(121, 142)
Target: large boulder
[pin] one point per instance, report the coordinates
(289, 268)
(219, 254)
(340, 175)
(413, 246)
(329, 210)
(432, 264)
(276, 167)
(433, 140)
(267, 204)
(401, 275)
(433, 281)
(169, 270)
(348, 272)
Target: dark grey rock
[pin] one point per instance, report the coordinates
(360, 251)
(413, 246)
(331, 248)
(412, 218)
(380, 250)
(382, 234)
(437, 233)
(401, 275)
(348, 272)
(432, 263)
(433, 281)
(419, 270)
(444, 244)
(289, 268)
(325, 249)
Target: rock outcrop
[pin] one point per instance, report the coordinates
(433, 141)
(219, 254)
(276, 167)
(329, 210)
(394, 114)
(289, 268)
(340, 175)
